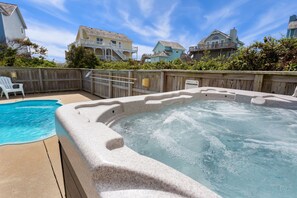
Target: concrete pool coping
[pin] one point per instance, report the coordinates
(34, 169)
(100, 158)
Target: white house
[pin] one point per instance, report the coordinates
(105, 44)
(12, 24)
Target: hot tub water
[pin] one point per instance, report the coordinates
(235, 149)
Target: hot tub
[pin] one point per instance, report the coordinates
(97, 163)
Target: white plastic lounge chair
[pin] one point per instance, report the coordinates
(7, 87)
(295, 92)
(189, 84)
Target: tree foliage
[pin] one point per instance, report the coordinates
(24, 53)
(32, 49)
(269, 55)
(79, 57)
(7, 55)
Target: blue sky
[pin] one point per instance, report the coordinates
(54, 23)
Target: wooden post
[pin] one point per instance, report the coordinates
(110, 86)
(80, 79)
(40, 80)
(31, 82)
(258, 81)
(130, 86)
(92, 84)
(162, 81)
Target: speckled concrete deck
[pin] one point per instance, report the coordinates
(34, 169)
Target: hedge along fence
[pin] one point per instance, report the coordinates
(38, 80)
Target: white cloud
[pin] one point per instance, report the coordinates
(51, 37)
(271, 20)
(146, 6)
(160, 28)
(58, 4)
(218, 17)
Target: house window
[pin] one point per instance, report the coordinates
(222, 43)
(215, 38)
(113, 42)
(22, 30)
(99, 40)
(120, 45)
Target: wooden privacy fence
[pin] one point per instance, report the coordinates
(38, 80)
(111, 84)
(171, 80)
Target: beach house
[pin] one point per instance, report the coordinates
(217, 44)
(292, 27)
(167, 51)
(12, 25)
(106, 45)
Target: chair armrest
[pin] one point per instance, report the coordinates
(18, 85)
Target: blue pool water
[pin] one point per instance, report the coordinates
(27, 121)
(235, 149)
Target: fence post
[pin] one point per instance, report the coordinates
(110, 85)
(130, 86)
(80, 79)
(92, 83)
(40, 80)
(31, 82)
(258, 81)
(162, 81)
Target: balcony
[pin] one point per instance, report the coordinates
(218, 46)
(100, 44)
(134, 49)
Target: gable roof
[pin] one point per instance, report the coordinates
(7, 9)
(102, 33)
(221, 33)
(213, 33)
(173, 45)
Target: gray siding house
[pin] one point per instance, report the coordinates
(217, 43)
(292, 27)
(12, 24)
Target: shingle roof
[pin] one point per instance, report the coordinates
(160, 54)
(8, 8)
(103, 33)
(202, 41)
(173, 45)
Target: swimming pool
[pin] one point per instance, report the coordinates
(235, 149)
(27, 121)
(105, 163)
